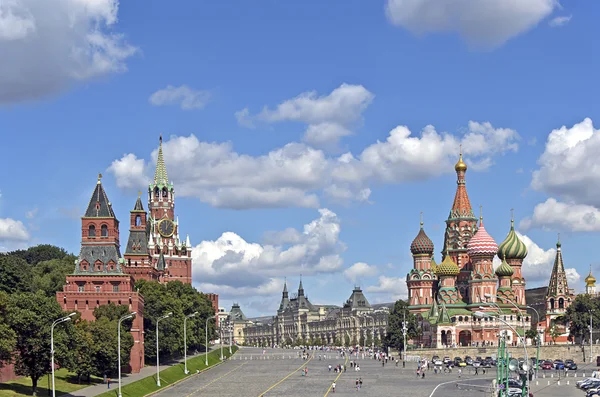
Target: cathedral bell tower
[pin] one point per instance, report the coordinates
(170, 255)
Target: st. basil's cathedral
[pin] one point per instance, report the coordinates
(444, 297)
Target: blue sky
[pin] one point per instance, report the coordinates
(305, 137)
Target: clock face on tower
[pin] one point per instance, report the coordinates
(166, 227)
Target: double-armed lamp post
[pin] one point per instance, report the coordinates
(125, 317)
(157, 350)
(185, 370)
(206, 347)
(55, 323)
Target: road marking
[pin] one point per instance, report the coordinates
(452, 381)
(215, 380)
(336, 379)
(290, 374)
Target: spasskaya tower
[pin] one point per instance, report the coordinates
(158, 236)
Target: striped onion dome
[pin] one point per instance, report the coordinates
(421, 244)
(504, 270)
(512, 247)
(482, 243)
(447, 267)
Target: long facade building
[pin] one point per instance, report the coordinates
(298, 321)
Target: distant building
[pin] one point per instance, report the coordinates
(298, 321)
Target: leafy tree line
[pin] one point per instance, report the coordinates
(29, 280)
(395, 337)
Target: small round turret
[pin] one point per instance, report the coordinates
(504, 270)
(422, 244)
(447, 268)
(512, 247)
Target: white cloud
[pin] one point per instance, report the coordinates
(130, 172)
(13, 230)
(48, 45)
(570, 165)
(271, 286)
(560, 21)
(296, 174)
(482, 23)
(556, 215)
(572, 277)
(537, 266)
(393, 288)
(329, 117)
(234, 266)
(360, 270)
(184, 96)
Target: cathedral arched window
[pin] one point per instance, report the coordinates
(138, 220)
(165, 192)
(104, 230)
(561, 303)
(92, 231)
(552, 304)
(156, 192)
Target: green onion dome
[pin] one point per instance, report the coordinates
(504, 270)
(422, 244)
(447, 267)
(512, 247)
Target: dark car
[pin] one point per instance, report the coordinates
(490, 360)
(598, 361)
(570, 365)
(468, 360)
(457, 361)
(559, 364)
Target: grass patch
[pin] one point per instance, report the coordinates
(168, 376)
(64, 381)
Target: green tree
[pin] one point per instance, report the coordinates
(49, 276)
(180, 299)
(30, 315)
(578, 315)
(554, 333)
(14, 274)
(104, 345)
(531, 333)
(82, 359)
(8, 337)
(395, 337)
(111, 312)
(347, 340)
(40, 253)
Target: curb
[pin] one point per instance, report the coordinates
(188, 377)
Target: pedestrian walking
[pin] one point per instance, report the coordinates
(476, 371)
(108, 383)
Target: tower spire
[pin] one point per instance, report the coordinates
(160, 175)
(421, 220)
(480, 213)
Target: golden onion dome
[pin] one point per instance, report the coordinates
(590, 280)
(460, 166)
(434, 265)
(447, 267)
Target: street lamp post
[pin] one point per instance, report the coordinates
(125, 317)
(185, 370)
(230, 337)
(206, 340)
(157, 351)
(221, 338)
(55, 323)
(537, 334)
(404, 343)
(526, 365)
(591, 331)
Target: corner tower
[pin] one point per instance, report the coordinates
(461, 225)
(558, 297)
(169, 255)
(138, 259)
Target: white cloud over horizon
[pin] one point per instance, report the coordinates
(185, 97)
(484, 24)
(47, 46)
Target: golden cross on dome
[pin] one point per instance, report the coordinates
(481, 212)
(99, 177)
(559, 237)
(139, 194)
(421, 219)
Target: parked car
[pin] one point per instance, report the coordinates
(446, 360)
(468, 360)
(559, 364)
(491, 360)
(570, 364)
(476, 363)
(457, 361)
(547, 365)
(598, 361)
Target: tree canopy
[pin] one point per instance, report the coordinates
(578, 315)
(395, 337)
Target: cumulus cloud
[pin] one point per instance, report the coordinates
(12, 230)
(486, 24)
(569, 167)
(296, 174)
(234, 266)
(392, 288)
(360, 270)
(560, 21)
(184, 96)
(329, 117)
(48, 45)
(556, 215)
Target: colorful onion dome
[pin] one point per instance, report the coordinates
(482, 243)
(590, 280)
(421, 244)
(504, 270)
(447, 267)
(433, 265)
(460, 165)
(512, 247)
